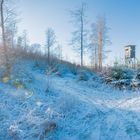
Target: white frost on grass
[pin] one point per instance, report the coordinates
(71, 110)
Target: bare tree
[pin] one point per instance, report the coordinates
(79, 35)
(10, 23)
(93, 46)
(35, 48)
(4, 35)
(8, 26)
(25, 40)
(59, 52)
(11, 34)
(99, 40)
(19, 42)
(50, 41)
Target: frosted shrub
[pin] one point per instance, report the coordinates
(74, 68)
(18, 83)
(83, 76)
(14, 132)
(46, 127)
(49, 72)
(121, 77)
(21, 79)
(138, 75)
(118, 73)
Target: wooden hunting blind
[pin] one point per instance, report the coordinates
(130, 54)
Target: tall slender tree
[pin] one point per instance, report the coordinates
(100, 38)
(8, 26)
(25, 40)
(50, 41)
(4, 35)
(94, 46)
(79, 35)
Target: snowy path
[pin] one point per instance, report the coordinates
(82, 110)
(116, 118)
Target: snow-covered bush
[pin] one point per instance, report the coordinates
(138, 75)
(18, 83)
(83, 75)
(121, 77)
(119, 73)
(21, 77)
(74, 68)
(51, 71)
(46, 127)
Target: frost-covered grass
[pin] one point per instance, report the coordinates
(72, 108)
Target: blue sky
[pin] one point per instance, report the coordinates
(122, 18)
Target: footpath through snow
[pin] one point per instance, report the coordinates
(79, 110)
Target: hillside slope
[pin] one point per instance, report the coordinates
(53, 107)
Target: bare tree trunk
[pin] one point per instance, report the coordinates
(51, 40)
(82, 27)
(100, 51)
(99, 39)
(80, 31)
(49, 53)
(4, 38)
(95, 58)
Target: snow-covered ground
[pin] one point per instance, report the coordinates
(74, 110)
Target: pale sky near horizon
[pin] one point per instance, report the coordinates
(122, 18)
